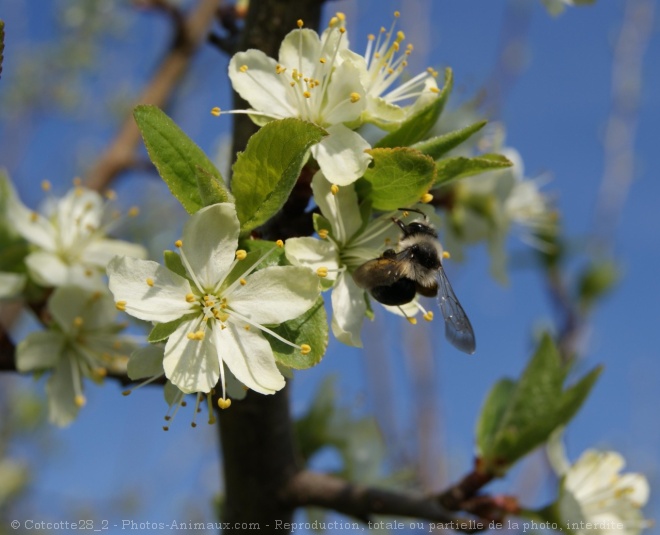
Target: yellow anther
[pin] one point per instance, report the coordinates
(77, 192)
(191, 336)
(292, 84)
(126, 393)
(323, 233)
(395, 46)
(243, 282)
(397, 14)
(428, 316)
(371, 37)
(241, 254)
(333, 22)
(166, 428)
(45, 185)
(222, 316)
(243, 68)
(279, 243)
(305, 349)
(199, 335)
(178, 243)
(382, 29)
(341, 16)
(300, 23)
(405, 213)
(446, 255)
(190, 298)
(120, 305)
(80, 400)
(78, 321)
(434, 90)
(307, 94)
(247, 327)
(355, 97)
(426, 198)
(100, 372)
(412, 321)
(279, 69)
(322, 60)
(342, 30)
(390, 70)
(133, 211)
(216, 111)
(334, 189)
(322, 271)
(110, 194)
(224, 403)
(150, 281)
(400, 36)
(34, 216)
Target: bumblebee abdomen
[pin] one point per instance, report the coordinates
(401, 292)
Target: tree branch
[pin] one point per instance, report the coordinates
(309, 488)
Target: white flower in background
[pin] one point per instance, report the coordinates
(347, 244)
(594, 491)
(69, 240)
(11, 284)
(382, 64)
(83, 341)
(556, 7)
(220, 320)
(309, 82)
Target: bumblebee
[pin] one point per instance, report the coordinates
(415, 267)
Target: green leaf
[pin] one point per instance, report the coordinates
(177, 158)
(211, 188)
(397, 178)
(519, 416)
(461, 166)
(162, 331)
(310, 328)
(264, 175)
(174, 263)
(491, 415)
(596, 281)
(439, 145)
(415, 128)
(145, 362)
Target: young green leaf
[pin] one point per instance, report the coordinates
(311, 328)
(174, 263)
(415, 128)
(519, 416)
(439, 145)
(176, 157)
(461, 166)
(264, 175)
(162, 331)
(211, 188)
(397, 178)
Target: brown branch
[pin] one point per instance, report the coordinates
(308, 488)
(120, 155)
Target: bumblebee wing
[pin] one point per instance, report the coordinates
(458, 328)
(378, 272)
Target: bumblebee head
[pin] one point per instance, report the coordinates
(417, 227)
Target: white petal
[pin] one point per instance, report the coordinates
(100, 252)
(34, 227)
(341, 155)
(146, 362)
(312, 253)
(235, 389)
(210, 238)
(61, 393)
(275, 294)
(250, 358)
(348, 311)
(260, 85)
(39, 350)
(164, 301)
(341, 210)
(70, 302)
(383, 113)
(191, 365)
(11, 284)
(339, 104)
(48, 269)
(77, 215)
(301, 50)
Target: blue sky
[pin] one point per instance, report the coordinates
(555, 115)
